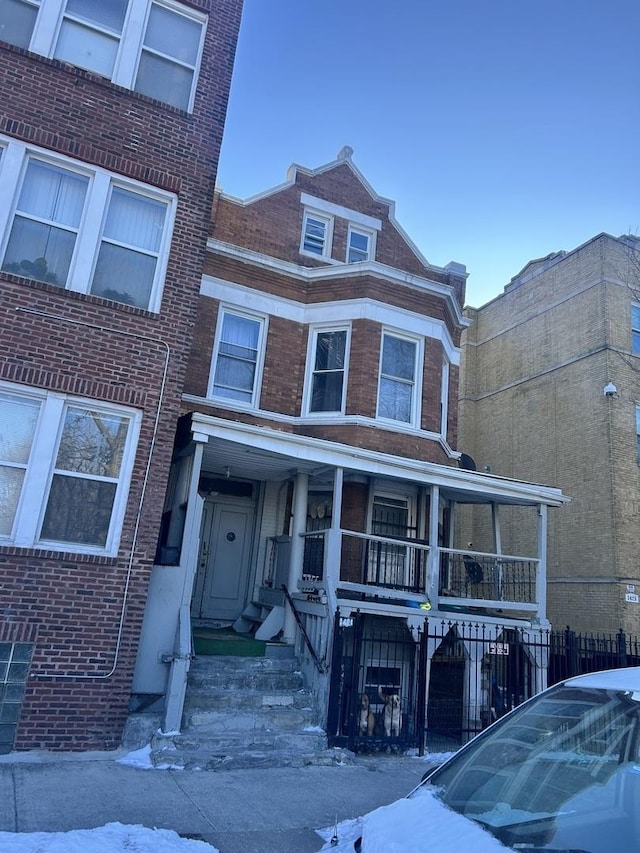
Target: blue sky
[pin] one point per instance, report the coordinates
(502, 130)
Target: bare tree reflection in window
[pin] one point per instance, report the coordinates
(85, 477)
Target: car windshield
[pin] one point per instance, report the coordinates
(560, 773)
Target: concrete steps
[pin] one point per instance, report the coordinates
(245, 712)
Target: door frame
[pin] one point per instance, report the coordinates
(209, 502)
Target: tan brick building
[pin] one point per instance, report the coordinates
(536, 363)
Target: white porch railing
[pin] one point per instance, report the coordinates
(399, 568)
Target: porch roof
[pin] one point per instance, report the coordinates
(256, 452)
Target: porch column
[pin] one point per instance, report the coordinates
(298, 527)
(541, 574)
(433, 560)
(334, 543)
(181, 658)
(497, 533)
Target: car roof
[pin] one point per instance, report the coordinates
(627, 678)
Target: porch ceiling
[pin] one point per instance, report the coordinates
(246, 462)
(255, 452)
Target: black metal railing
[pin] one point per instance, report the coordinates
(487, 577)
(477, 673)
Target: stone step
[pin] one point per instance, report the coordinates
(203, 664)
(269, 719)
(244, 712)
(217, 699)
(251, 758)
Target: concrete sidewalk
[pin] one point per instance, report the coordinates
(238, 811)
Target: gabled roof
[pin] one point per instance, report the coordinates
(344, 158)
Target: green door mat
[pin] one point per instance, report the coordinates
(224, 641)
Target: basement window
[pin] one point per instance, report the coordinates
(15, 660)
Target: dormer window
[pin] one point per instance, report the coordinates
(359, 245)
(316, 234)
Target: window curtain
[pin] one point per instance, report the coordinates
(37, 248)
(127, 260)
(397, 379)
(237, 357)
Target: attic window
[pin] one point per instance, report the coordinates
(316, 234)
(360, 244)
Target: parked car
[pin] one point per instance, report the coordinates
(561, 772)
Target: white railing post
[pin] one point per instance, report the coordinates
(541, 573)
(296, 556)
(433, 557)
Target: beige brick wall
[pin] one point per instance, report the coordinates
(535, 363)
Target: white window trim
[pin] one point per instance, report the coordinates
(13, 163)
(263, 320)
(40, 468)
(371, 242)
(359, 219)
(49, 22)
(328, 238)
(309, 371)
(416, 400)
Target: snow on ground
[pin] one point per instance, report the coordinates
(112, 838)
(411, 826)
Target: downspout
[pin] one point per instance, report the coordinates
(145, 480)
(180, 660)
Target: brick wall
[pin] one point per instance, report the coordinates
(78, 689)
(535, 364)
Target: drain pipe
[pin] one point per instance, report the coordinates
(125, 595)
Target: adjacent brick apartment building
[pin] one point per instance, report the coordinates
(110, 127)
(551, 390)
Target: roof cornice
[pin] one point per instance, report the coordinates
(343, 270)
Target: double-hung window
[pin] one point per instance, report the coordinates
(635, 329)
(65, 467)
(237, 357)
(316, 234)
(359, 245)
(151, 46)
(329, 362)
(82, 229)
(398, 379)
(17, 21)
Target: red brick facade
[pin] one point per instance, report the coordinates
(85, 611)
(399, 280)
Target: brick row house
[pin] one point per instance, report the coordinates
(551, 386)
(317, 495)
(110, 127)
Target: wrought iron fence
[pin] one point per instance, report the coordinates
(452, 678)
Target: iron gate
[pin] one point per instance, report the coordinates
(452, 678)
(374, 660)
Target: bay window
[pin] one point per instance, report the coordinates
(327, 380)
(398, 379)
(237, 357)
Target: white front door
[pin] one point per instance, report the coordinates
(225, 560)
